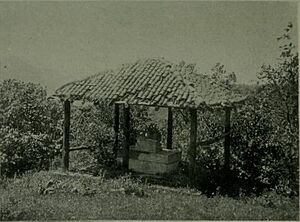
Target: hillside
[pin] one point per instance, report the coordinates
(57, 196)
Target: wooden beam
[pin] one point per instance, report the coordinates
(170, 129)
(81, 148)
(116, 129)
(127, 136)
(193, 145)
(66, 136)
(227, 140)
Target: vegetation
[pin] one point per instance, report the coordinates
(29, 127)
(264, 176)
(264, 132)
(52, 195)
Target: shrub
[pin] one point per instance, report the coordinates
(29, 127)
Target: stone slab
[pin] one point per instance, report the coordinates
(151, 167)
(163, 156)
(147, 145)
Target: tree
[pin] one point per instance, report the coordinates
(280, 83)
(265, 132)
(221, 76)
(280, 96)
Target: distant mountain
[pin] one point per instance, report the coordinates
(13, 67)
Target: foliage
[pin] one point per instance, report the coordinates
(264, 142)
(280, 82)
(150, 131)
(265, 134)
(83, 161)
(142, 124)
(219, 75)
(253, 155)
(92, 126)
(29, 127)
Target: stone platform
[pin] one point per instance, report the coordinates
(165, 161)
(146, 156)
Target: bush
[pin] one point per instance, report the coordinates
(29, 127)
(264, 156)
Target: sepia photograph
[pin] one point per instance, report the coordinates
(149, 110)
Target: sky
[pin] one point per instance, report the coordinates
(78, 39)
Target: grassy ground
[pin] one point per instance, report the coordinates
(51, 195)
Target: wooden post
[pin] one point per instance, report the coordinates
(116, 129)
(193, 145)
(170, 129)
(66, 136)
(127, 136)
(227, 140)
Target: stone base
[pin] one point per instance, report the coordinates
(165, 161)
(163, 156)
(141, 166)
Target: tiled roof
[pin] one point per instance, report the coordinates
(154, 82)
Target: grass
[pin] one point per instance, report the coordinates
(51, 195)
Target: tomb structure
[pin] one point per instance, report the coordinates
(147, 156)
